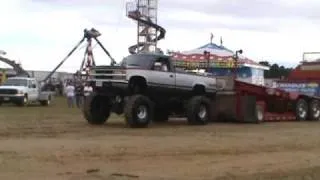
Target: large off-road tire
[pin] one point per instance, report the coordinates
(118, 105)
(46, 102)
(161, 115)
(198, 110)
(314, 110)
(138, 111)
(301, 110)
(96, 109)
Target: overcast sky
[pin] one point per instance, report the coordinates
(40, 33)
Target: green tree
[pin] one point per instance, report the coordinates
(275, 71)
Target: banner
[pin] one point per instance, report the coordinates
(311, 89)
(204, 64)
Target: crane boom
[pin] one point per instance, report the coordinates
(60, 64)
(16, 67)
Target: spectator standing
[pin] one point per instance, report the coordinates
(70, 94)
(87, 90)
(79, 94)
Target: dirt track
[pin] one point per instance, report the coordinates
(56, 143)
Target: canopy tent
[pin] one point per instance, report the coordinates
(220, 57)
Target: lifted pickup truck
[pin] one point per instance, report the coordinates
(146, 87)
(22, 91)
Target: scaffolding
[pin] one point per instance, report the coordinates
(146, 34)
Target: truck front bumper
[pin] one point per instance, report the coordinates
(9, 98)
(114, 90)
(110, 88)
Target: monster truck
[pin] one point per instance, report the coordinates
(146, 87)
(22, 91)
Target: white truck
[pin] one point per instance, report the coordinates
(23, 91)
(147, 87)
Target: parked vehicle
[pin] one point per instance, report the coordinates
(22, 91)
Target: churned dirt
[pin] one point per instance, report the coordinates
(53, 143)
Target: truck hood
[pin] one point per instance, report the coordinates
(117, 67)
(107, 67)
(13, 87)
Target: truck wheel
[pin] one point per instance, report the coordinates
(301, 110)
(136, 89)
(96, 109)
(198, 110)
(314, 110)
(24, 101)
(138, 111)
(46, 102)
(118, 105)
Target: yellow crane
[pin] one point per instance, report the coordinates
(3, 76)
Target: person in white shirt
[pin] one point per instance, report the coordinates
(87, 90)
(70, 94)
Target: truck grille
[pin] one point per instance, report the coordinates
(107, 73)
(8, 91)
(104, 74)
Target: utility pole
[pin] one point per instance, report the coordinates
(207, 57)
(236, 58)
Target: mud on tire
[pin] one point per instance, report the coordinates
(301, 110)
(198, 110)
(96, 109)
(314, 110)
(138, 111)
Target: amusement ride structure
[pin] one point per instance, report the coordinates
(88, 59)
(87, 62)
(145, 13)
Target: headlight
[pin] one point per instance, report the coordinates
(20, 92)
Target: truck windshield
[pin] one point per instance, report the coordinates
(16, 82)
(139, 60)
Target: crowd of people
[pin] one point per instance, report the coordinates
(76, 92)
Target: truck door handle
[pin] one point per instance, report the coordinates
(171, 75)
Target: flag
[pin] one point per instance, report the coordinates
(211, 38)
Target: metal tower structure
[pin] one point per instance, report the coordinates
(146, 33)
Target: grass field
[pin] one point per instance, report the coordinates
(55, 142)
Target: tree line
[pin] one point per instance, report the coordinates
(275, 71)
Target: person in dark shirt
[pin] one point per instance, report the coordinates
(79, 94)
